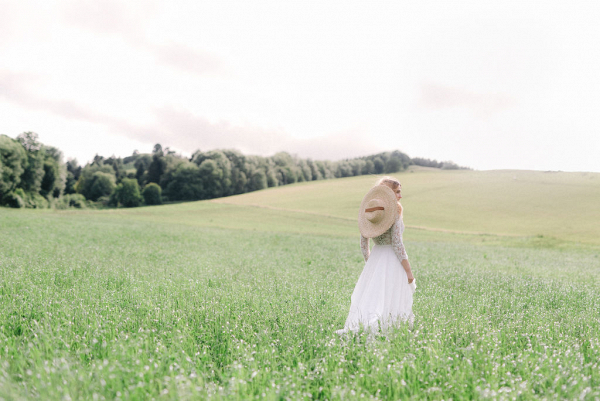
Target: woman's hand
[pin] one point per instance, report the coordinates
(413, 285)
(406, 265)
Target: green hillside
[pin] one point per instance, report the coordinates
(555, 205)
(546, 208)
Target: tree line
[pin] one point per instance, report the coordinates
(33, 175)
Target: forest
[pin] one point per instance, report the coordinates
(34, 175)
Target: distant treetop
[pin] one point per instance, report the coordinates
(34, 175)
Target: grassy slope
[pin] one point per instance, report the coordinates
(564, 206)
(177, 302)
(529, 207)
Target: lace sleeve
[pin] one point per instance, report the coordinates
(364, 247)
(397, 244)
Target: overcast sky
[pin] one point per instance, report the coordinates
(487, 84)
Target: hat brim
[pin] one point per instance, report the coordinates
(386, 195)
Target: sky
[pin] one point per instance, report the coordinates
(486, 84)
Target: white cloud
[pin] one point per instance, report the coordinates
(192, 132)
(186, 132)
(126, 20)
(483, 105)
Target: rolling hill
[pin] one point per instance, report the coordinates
(558, 205)
(544, 208)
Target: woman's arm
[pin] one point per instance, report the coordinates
(398, 247)
(364, 247)
(407, 269)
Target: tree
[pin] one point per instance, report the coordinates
(186, 183)
(271, 178)
(358, 165)
(96, 181)
(76, 201)
(73, 173)
(287, 170)
(211, 178)
(98, 160)
(378, 165)
(396, 161)
(127, 193)
(13, 158)
(74, 168)
(31, 179)
(239, 180)
(117, 165)
(30, 141)
(157, 167)
(13, 199)
(216, 172)
(54, 179)
(305, 173)
(258, 180)
(393, 165)
(344, 169)
(326, 169)
(36, 172)
(51, 176)
(286, 175)
(450, 165)
(314, 169)
(141, 164)
(172, 163)
(70, 183)
(103, 184)
(152, 194)
(239, 168)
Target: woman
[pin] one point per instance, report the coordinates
(383, 295)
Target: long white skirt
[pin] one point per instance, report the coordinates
(382, 297)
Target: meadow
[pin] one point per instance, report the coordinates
(238, 298)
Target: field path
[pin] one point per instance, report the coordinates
(224, 201)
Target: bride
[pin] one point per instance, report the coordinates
(383, 295)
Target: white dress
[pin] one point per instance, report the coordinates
(382, 296)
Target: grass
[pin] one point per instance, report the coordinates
(233, 301)
(557, 205)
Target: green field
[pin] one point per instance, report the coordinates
(564, 207)
(238, 298)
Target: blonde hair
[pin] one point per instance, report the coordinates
(393, 184)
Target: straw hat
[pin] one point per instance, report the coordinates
(378, 211)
